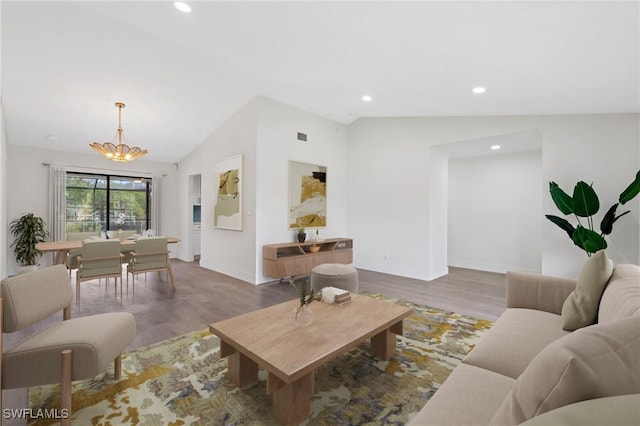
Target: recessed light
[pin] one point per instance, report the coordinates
(52, 138)
(495, 147)
(182, 7)
(478, 90)
(367, 98)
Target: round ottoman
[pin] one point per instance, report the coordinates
(335, 275)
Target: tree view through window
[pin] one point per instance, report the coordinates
(107, 203)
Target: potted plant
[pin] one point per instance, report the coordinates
(584, 204)
(28, 230)
(302, 235)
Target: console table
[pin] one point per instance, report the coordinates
(291, 259)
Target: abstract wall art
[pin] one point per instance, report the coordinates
(307, 195)
(227, 212)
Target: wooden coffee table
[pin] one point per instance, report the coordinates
(268, 338)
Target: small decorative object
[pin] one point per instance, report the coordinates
(314, 248)
(317, 235)
(303, 315)
(584, 204)
(301, 235)
(28, 231)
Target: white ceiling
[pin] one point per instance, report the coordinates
(64, 64)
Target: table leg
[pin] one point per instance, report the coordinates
(291, 401)
(383, 344)
(242, 370)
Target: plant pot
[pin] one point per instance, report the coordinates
(302, 237)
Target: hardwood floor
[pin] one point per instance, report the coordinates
(203, 297)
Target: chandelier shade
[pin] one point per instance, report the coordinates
(118, 152)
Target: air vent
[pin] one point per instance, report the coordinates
(302, 137)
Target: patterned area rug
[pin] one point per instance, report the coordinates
(182, 381)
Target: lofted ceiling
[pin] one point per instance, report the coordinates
(65, 64)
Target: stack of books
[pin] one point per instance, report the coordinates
(341, 296)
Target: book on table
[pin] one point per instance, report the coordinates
(340, 295)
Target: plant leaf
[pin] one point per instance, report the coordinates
(585, 200)
(632, 190)
(606, 226)
(561, 199)
(562, 223)
(589, 240)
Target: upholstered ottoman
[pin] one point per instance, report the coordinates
(335, 275)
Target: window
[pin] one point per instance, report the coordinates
(104, 202)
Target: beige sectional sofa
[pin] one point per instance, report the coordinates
(527, 365)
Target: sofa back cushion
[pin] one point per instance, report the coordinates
(621, 297)
(594, 362)
(580, 309)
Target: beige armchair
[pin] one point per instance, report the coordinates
(99, 259)
(74, 349)
(151, 254)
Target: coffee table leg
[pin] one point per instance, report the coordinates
(243, 371)
(383, 344)
(291, 401)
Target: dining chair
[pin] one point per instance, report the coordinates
(151, 254)
(73, 349)
(71, 259)
(99, 259)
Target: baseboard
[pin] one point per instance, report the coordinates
(488, 267)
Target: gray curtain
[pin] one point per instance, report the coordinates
(157, 184)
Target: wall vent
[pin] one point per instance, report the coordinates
(302, 136)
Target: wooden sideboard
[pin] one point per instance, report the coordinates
(293, 259)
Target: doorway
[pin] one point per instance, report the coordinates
(195, 214)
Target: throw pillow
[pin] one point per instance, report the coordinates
(593, 362)
(581, 307)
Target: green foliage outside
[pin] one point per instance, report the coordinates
(87, 204)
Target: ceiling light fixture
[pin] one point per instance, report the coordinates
(182, 7)
(120, 152)
(495, 147)
(478, 90)
(367, 98)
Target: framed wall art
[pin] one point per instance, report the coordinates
(227, 212)
(307, 195)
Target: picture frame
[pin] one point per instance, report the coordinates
(307, 195)
(227, 211)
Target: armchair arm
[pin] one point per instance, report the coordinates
(540, 292)
(89, 259)
(155, 253)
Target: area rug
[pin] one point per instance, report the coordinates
(182, 381)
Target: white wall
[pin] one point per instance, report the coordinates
(495, 212)
(326, 145)
(229, 252)
(29, 187)
(4, 221)
(265, 132)
(388, 183)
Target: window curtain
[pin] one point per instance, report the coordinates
(157, 184)
(57, 202)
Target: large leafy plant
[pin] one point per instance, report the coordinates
(584, 204)
(28, 230)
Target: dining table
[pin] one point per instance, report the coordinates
(61, 248)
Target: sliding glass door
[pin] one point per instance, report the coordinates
(107, 203)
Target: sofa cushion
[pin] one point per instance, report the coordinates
(611, 411)
(581, 307)
(621, 297)
(469, 396)
(593, 362)
(514, 340)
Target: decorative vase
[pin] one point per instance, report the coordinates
(302, 317)
(301, 237)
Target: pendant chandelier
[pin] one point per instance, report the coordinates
(120, 152)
